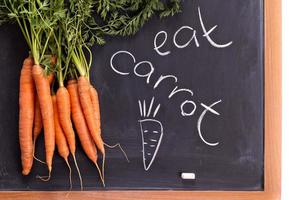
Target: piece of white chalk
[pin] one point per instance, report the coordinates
(188, 176)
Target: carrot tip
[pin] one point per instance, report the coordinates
(103, 168)
(100, 174)
(43, 178)
(25, 172)
(70, 173)
(78, 171)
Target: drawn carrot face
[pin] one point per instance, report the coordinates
(152, 134)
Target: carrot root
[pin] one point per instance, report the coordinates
(78, 171)
(38, 121)
(44, 95)
(43, 178)
(88, 111)
(103, 167)
(26, 115)
(64, 116)
(100, 174)
(70, 173)
(35, 158)
(96, 107)
(83, 133)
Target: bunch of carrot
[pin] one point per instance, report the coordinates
(55, 89)
(45, 101)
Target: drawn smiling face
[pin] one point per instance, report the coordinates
(152, 133)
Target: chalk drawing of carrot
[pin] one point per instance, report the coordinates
(152, 132)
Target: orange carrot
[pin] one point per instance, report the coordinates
(44, 96)
(26, 115)
(86, 141)
(79, 122)
(86, 105)
(96, 107)
(38, 121)
(51, 75)
(50, 78)
(60, 140)
(64, 114)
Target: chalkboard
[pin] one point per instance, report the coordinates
(182, 95)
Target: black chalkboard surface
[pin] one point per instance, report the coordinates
(179, 96)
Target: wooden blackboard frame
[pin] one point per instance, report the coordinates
(272, 154)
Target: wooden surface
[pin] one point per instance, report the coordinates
(272, 137)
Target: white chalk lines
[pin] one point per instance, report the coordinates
(144, 112)
(151, 130)
(193, 40)
(207, 108)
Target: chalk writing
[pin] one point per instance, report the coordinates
(207, 108)
(193, 39)
(146, 70)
